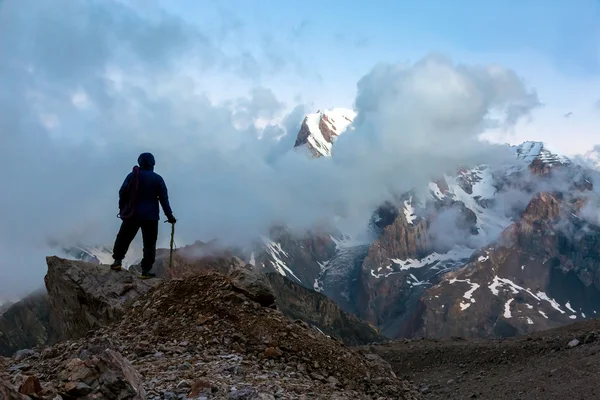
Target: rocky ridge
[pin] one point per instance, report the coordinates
(210, 335)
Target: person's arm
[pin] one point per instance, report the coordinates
(123, 194)
(163, 197)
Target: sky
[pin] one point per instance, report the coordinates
(553, 45)
(217, 91)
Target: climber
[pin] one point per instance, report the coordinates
(139, 196)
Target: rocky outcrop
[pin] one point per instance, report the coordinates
(88, 296)
(297, 302)
(26, 324)
(200, 336)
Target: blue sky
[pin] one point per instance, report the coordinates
(318, 50)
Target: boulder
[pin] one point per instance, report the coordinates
(253, 285)
(107, 375)
(86, 296)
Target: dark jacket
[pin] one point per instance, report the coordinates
(141, 192)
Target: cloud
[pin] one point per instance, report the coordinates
(87, 86)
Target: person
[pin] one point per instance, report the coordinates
(139, 198)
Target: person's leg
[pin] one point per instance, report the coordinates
(150, 236)
(127, 232)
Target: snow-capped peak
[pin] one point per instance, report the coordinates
(529, 151)
(320, 129)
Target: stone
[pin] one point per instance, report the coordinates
(573, 343)
(198, 386)
(243, 394)
(23, 354)
(333, 381)
(77, 389)
(253, 285)
(30, 386)
(273, 352)
(7, 392)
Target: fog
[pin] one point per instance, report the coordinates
(87, 86)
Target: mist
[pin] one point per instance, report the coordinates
(88, 86)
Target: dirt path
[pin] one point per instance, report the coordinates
(541, 366)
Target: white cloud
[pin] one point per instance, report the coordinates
(111, 78)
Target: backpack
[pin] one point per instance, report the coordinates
(131, 192)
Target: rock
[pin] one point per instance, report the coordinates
(23, 354)
(86, 296)
(7, 392)
(107, 372)
(198, 386)
(273, 352)
(77, 389)
(30, 386)
(253, 284)
(333, 381)
(243, 394)
(573, 343)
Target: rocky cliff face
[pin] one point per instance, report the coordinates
(87, 296)
(26, 324)
(297, 302)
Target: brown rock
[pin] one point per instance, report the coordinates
(198, 386)
(273, 352)
(30, 386)
(7, 392)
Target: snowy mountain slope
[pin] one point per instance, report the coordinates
(538, 277)
(319, 130)
(99, 254)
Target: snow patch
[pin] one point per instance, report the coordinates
(409, 211)
(543, 314)
(469, 293)
(457, 253)
(435, 190)
(568, 305)
(276, 252)
(552, 302)
(507, 313)
(529, 321)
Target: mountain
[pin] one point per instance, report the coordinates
(319, 130)
(424, 255)
(437, 245)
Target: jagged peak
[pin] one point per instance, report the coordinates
(532, 150)
(320, 129)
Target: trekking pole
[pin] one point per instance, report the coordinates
(172, 245)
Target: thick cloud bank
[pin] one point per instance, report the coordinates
(87, 86)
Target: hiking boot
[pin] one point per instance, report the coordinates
(147, 275)
(117, 265)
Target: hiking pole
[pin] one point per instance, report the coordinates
(172, 245)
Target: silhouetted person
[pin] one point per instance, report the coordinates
(139, 196)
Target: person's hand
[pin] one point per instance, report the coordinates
(171, 219)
